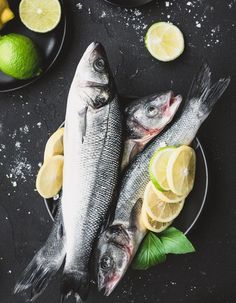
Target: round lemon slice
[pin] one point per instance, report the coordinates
(159, 210)
(40, 16)
(50, 175)
(181, 170)
(151, 224)
(168, 196)
(164, 41)
(54, 145)
(157, 168)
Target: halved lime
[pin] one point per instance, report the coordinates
(164, 41)
(157, 168)
(40, 16)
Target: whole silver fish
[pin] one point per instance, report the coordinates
(119, 243)
(92, 152)
(144, 118)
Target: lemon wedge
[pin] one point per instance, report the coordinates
(181, 170)
(157, 168)
(164, 41)
(6, 13)
(54, 144)
(50, 176)
(159, 210)
(40, 16)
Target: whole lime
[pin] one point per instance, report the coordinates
(20, 58)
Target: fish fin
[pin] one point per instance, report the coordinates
(201, 82)
(44, 265)
(211, 96)
(83, 122)
(203, 96)
(76, 283)
(135, 213)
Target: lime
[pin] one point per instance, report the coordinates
(49, 178)
(157, 209)
(157, 168)
(164, 41)
(181, 170)
(19, 57)
(40, 16)
(54, 145)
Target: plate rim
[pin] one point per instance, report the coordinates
(31, 81)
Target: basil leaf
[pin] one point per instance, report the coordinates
(175, 242)
(150, 253)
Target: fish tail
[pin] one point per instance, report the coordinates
(43, 266)
(76, 283)
(203, 96)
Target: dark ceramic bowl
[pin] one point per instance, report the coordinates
(129, 3)
(50, 45)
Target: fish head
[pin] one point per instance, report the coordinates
(93, 79)
(114, 254)
(148, 116)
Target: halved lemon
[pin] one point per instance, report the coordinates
(54, 144)
(159, 210)
(151, 224)
(181, 170)
(40, 16)
(164, 41)
(50, 176)
(157, 168)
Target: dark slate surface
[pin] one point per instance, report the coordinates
(28, 116)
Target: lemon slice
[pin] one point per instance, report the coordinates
(157, 168)
(40, 16)
(54, 144)
(168, 196)
(151, 224)
(181, 170)
(50, 175)
(159, 210)
(164, 41)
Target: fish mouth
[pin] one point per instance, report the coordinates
(95, 47)
(170, 108)
(106, 286)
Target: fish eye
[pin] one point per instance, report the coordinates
(106, 263)
(99, 65)
(151, 111)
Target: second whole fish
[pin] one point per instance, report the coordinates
(119, 243)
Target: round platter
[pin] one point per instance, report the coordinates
(194, 203)
(50, 45)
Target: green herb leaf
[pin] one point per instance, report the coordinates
(150, 253)
(175, 242)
